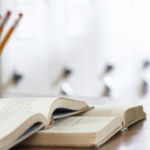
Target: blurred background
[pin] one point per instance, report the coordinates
(91, 48)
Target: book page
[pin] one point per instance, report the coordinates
(128, 113)
(76, 132)
(13, 124)
(33, 129)
(36, 105)
(78, 124)
(107, 111)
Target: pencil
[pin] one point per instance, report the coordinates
(4, 21)
(0, 19)
(0, 26)
(8, 34)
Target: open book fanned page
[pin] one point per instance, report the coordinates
(128, 113)
(17, 115)
(88, 129)
(76, 132)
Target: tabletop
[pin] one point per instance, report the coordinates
(137, 136)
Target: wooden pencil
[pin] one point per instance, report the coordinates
(4, 21)
(8, 34)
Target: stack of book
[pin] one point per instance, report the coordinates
(62, 122)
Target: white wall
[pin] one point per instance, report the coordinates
(84, 34)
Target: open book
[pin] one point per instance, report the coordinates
(89, 129)
(129, 114)
(21, 117)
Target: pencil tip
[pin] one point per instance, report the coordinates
(20, 15)
(8, 13)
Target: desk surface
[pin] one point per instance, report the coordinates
(137, 136)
